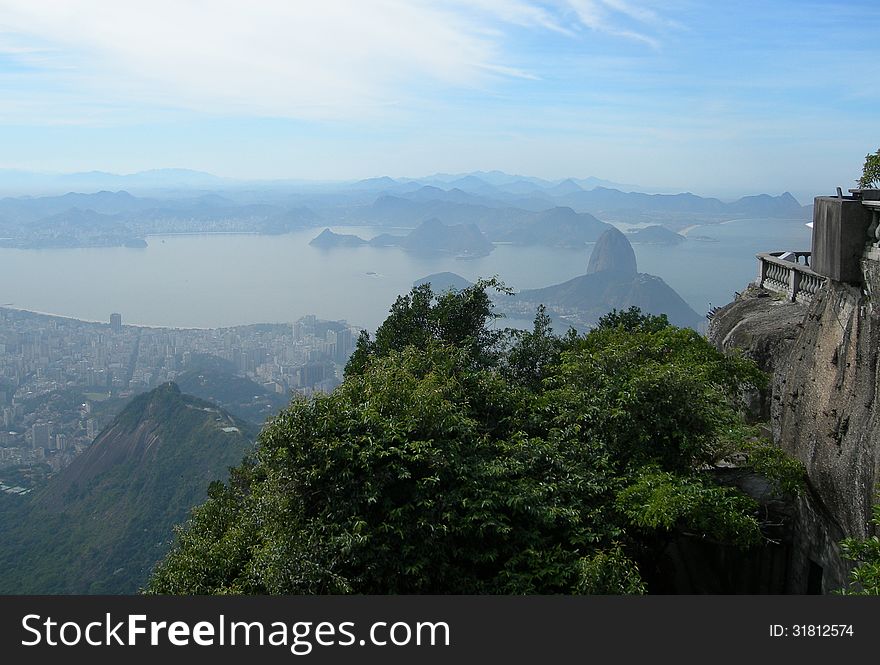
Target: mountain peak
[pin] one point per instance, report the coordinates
(612, 252)
(567, 186)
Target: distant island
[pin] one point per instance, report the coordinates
(655, 234)
(444, 281)
(432, 235)
(558, 227)
(328, 240)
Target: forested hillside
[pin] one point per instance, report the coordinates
(102, 524)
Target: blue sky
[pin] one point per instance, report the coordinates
(714, 98)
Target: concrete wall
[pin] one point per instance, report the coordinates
(840, 233)
(815, 563)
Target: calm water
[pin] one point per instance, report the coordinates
(225, 280)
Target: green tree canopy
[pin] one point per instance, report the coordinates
(459, 458)
(455, 318)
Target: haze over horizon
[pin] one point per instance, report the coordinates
(674, 96)
(19, 182)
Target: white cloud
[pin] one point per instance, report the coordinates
(610, 16)
(517, 12)
(639, 13)
(326, 59)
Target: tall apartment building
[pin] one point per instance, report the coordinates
(41, 433)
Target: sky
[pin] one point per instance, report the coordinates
(717, 98)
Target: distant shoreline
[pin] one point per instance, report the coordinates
(690, 228)
(206, 233)
(139, 325)
(684, 232)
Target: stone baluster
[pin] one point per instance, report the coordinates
(794, 282)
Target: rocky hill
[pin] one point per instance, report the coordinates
(612, 253)
(612, 282)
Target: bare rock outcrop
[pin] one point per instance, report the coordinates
(762, 326)
(612, 252)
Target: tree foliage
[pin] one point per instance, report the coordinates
(871, 171)
(865, 577)
(460, 458)
(420, 318)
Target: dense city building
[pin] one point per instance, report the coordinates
(62, 380)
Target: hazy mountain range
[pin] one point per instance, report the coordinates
(14, 181)
(505, 208)
(29, 182)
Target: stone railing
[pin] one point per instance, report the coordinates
(783, 272)
(873, 249)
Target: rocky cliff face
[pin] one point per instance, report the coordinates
(822, 408)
